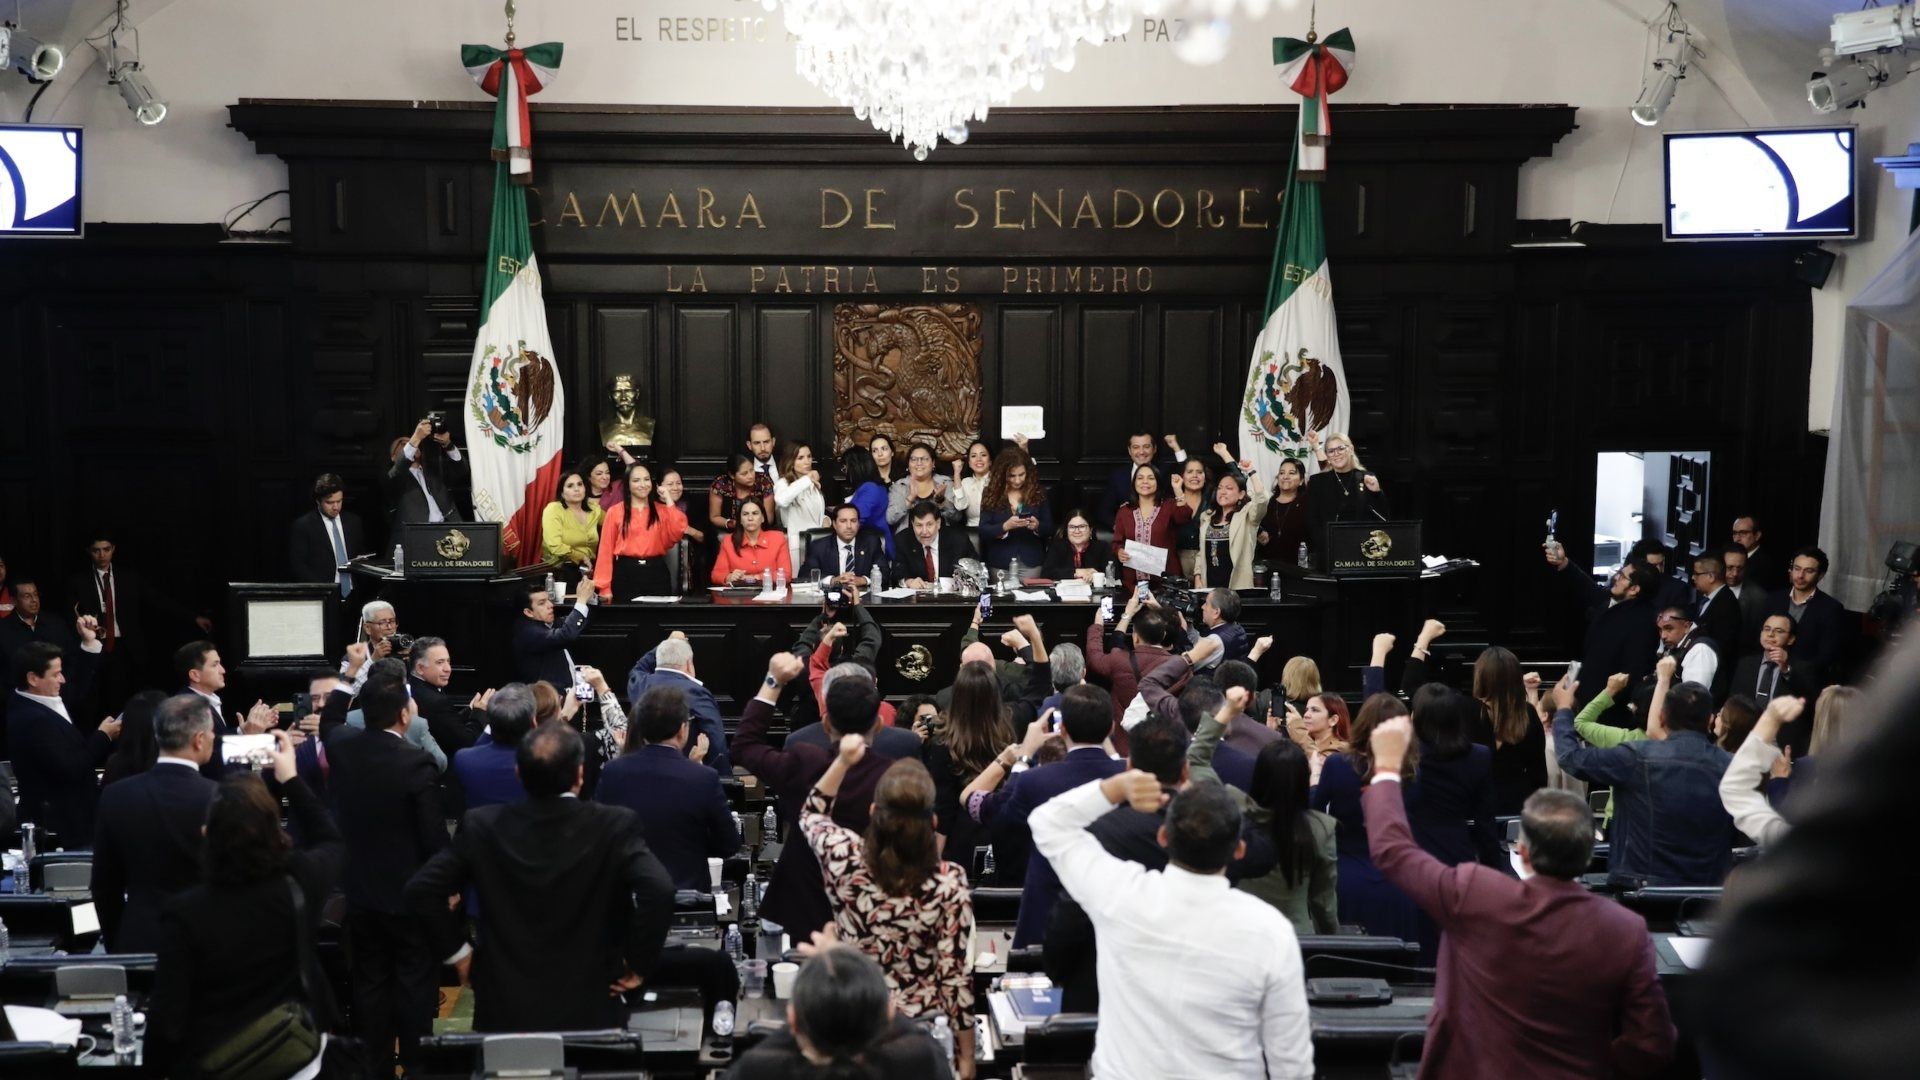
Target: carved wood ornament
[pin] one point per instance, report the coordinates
(910, 372)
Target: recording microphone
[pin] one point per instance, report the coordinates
(1364, 492)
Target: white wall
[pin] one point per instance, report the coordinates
(205, 54)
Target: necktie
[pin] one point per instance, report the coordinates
(1769, 678)
(932, 573)
(846, 558)
(339, 554)
(109, 623)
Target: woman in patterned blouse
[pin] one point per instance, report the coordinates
(894, 898)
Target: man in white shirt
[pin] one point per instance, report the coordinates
(53, 757)
(1196, 979)
(1698, 656)
(198, 664)
(420, 481)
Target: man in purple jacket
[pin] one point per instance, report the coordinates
(1538, 978)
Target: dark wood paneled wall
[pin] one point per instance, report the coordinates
(187, 390)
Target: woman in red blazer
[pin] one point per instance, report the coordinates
(1151, 518)
(751, 548)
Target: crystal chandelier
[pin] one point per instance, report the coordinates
(922, 70)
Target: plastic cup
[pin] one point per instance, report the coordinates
(944, 585)
(713, 871)
(784, 973)
(753, 981)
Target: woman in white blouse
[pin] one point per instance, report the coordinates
(796, 492)
(970, 486)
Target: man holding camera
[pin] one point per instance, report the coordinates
(426, 467)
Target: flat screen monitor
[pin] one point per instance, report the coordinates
(40, 170)
(1763, 184)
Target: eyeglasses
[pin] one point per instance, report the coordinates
(1703, 573)
(1081, 525)
(383, 622)
(1336, 449)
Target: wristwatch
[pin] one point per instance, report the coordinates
(771, 683)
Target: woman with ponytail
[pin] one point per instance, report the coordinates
(841, 1025)
(894, 898)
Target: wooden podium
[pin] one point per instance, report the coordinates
(452, 550)
(1373, 549)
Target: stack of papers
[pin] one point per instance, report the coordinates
(771, 596)
(1074, 590)
(901, 593)
(1031, 596)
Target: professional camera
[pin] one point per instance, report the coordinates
(1179, 598)
(1898, 602)
(439, 422)
(401, 644)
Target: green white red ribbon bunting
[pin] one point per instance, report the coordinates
(1314, 70)
(512, 76)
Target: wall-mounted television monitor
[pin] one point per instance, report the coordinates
(40, 171)
(1762, 184)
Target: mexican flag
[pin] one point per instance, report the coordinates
(1296, 383)
(516, 407)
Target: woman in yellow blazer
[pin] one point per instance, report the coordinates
(570, 526)
(1228, 530)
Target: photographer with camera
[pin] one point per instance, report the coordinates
(426, 467)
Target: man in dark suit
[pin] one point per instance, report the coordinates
(540, 641)
(1819, 621)
(897, 741)
(1119, 488)
(1751, 597)
(796, 897)
(574, 908)
(849, 557)
(925, 550)
(681, 808)
(426, 468)
(53, 760)
(388, 808)
(1771, 673)
(1762, 566)
(1585, 997)
(1621, 635)
(28, 623)
(670, 663)
(450, 720)
(146, 843)
(120, 601)
(1716, 610)
(320, 542)
(1668, 591)
(1086, 716)
(487, 770)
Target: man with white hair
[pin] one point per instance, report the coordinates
(670, 663)
(1069, 667)
(378, 621)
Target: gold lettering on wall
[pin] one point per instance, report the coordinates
(571, 209)
(1178, 199)
(846, 208)
(1070, 279)
(619, 211)
(1244, 222)
(999, 211)
(872, 210)
(1203, 212)
(748, 209)
(1054, 212)
(1139, 209)
(974, 215)
(1086, 209)
(703, 214)
(698, 284)
(670, 208)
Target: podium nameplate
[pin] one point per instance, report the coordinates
(1373, 549)
(452, 549)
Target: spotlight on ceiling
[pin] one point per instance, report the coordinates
(28, 55)
(1662, 80)
(137, 90)
(1848, 82)
(1874, 29)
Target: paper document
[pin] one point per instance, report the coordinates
(1145, 559)
(898, 593)
(771, 596)
(1031, 596)
(1692, 951)
(1028, 420)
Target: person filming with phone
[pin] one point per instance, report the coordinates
(426, 468)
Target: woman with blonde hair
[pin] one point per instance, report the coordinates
(894, 898)
(1342, 489)
(797, 492)
(1300, 680)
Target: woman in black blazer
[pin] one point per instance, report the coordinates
(229, 948)
(1075, 552)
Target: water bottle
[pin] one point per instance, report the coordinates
(1113, 573)
(986, 862)
(399, 561)
(780, 579)
(736, 949)
(735, 815)
(723, 1020)
(769, 825)
(1273, 585)
(943, 1034)
(6, 943)
(22, 883)
(27, 849)
(749, 897)
(123, 1044)
(1306, 560)
(554, 590)
(766, 581)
